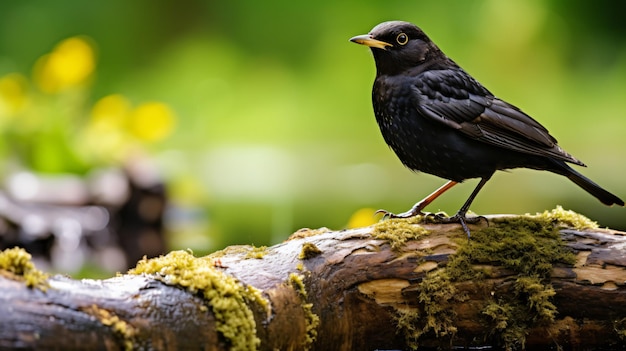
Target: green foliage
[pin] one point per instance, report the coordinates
(273, 106)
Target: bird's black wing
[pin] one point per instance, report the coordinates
(452, 97)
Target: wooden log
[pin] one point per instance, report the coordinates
(553, 280)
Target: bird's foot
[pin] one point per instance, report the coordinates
(436, 217)
(440, 217)
(408, 214)
(462, 219)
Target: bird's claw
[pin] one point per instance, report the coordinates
(439, 217)
(436, 217)
(458, 217)
(408, 214)
(462, 220)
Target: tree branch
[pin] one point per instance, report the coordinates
(548, 280)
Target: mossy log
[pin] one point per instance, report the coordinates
(552, 280)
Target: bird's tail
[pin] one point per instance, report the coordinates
(592, 188)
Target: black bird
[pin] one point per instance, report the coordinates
(440, 120)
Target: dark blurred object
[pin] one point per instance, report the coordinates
(110, 218)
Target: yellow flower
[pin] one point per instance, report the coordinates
(151, 121)
(362, 218)
(13, 94)
(105, 136)
(70, 64)
(111, 111)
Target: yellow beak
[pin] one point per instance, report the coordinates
(367, 39)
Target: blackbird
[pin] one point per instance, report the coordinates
(438, 119)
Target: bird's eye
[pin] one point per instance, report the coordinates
(402, 38)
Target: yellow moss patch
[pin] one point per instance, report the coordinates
(567, 218)
(120, 327)
(256, 252)
(17, 263)
(397, 231)
(225, 295)
(309, 250)
(312, 320)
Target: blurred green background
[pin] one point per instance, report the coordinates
(258, 114)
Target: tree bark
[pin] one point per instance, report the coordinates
(395, 285)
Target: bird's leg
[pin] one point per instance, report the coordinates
(460, 216)
(418, 207)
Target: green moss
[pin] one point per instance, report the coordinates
(311, 319)
(436, 296)
(17, 263)
(405, 319)
(309, 250)
(529, 246)
(226, 296)
(503, 326)
(529, 306)
(397, 231)
(537, 296)
(437, 293)
(511, 316)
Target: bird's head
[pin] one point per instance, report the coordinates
(398, 46)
